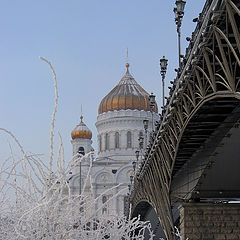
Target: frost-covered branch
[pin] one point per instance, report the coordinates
(36, 200)
(53, 115)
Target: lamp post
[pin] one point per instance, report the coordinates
(80, 173)
(145, 125)
(152, 103)
(140, 140)
(129, 188)
(81, 153)
(179, 12)
(163, 66)
(131, 182)
(137, 156)
(134, 166)
(131, 179)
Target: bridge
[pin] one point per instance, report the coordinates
(193, 157)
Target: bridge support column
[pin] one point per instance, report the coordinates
(210, 221)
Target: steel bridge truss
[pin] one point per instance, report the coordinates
(209, 85)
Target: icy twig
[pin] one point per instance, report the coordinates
(53, 115)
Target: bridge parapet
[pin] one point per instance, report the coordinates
(204, 98)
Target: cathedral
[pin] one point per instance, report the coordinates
(119, 124)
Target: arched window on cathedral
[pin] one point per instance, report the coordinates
(100, 143)
(129, 139)
(106, 141)
(117, 140)
(140, 134)
(104, 200)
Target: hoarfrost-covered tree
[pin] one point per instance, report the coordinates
(36, 201)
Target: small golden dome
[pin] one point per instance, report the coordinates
(81, 131)
(128, 94)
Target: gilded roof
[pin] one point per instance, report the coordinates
(128, 94)
(81, 131)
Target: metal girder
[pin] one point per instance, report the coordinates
(204, 97)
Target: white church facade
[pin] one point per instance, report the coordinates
(119, 125)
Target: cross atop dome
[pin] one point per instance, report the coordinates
(127, 64)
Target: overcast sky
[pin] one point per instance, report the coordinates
(86, 43)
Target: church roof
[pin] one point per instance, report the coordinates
(128, 94)
(81, 131)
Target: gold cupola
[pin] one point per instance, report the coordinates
(81, 131)
(128, 94)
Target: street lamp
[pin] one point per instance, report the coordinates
(145, 125)
(179, 12)
(134, 166)
(131, 179)
(180, 6)
(163, 66)
(80, 172)
(152, 103)
(136, 163)
(81, 153)
(140, 140)
(137, 154)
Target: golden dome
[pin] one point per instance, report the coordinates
(128, 94)
(81, 131)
